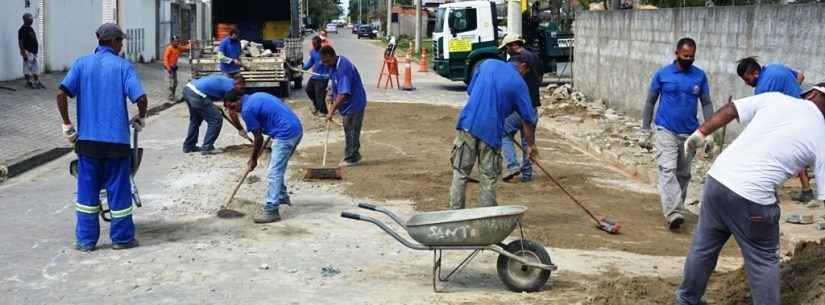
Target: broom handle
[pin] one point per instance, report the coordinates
(326, 140)
(517, 144)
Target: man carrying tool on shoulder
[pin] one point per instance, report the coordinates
(267, 114)
(783, 135)
(199, 95)
(101, 82)
(170, 63)
(496, 91)
(678, 87)
(776, 78)
(515, 47)
(350, 97)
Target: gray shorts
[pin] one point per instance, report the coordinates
(30, 65)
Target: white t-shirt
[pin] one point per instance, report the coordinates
(783, 136)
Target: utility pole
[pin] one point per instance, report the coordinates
(417, 26)
(389, 18)
(514, 17)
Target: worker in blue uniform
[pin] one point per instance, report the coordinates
(229, 53)
(200, 95)
(782, 79)
(496, 91)
(349, 98)
(101, 82)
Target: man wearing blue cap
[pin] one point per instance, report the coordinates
(101, 82)
(496, 91)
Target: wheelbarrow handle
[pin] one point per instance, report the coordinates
(367, 206)
(350, 215)
(384, 211)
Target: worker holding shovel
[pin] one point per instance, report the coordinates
(782, 136)
(199, 95)
(496, 91)
(267, 114)
(100, 82)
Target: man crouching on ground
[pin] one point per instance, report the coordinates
(267, 114)
(496, 91)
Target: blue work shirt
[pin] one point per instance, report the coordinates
(347, 81)
(496, 91)
(778, 78)
(316, 65)
(232, 49)
(214, 86)
(679, 92)
(100, 83)
(265, 112)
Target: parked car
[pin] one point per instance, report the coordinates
(332, 28)
(366, 32)
(355, 28)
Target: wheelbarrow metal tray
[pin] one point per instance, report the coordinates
(465, 227)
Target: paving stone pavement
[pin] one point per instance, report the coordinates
(30, 123)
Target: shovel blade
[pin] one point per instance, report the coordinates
(608, 225)
(228, 213)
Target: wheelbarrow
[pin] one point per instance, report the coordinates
(136, 156)
(523, 265)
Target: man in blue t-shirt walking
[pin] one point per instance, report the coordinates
(101, 82)
(199, 95)
(350, 98)
(496, 91)
(776, 78)
(266, 114)
(678, 87)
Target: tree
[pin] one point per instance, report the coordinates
(324, 11)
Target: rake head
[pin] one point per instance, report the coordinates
(323, 174)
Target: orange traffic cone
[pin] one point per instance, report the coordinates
(422, 61)
(408, 74)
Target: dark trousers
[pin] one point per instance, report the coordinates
(317, 90)
(756, 230)
(201, 109)
(352, 132)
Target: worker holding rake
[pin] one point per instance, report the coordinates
(267, 114)
(496, 91)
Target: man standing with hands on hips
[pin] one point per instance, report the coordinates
(100, 83)
(678, 87)
(350, 98)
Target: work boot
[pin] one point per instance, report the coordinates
(803, 196)
(30, 85)
(129, 245)
(187, 150)
(345, 163)
(82, 248)
(509, 177)
(267, 217)
(208, 151)
(39, 85)
(526, 178)
(675, 221)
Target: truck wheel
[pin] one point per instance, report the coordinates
(283, 89)
(521, 278)
(472, 70)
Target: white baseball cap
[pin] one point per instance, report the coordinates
(818, 87)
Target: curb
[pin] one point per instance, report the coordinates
(39, 157)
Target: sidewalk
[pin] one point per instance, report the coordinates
(30, 132)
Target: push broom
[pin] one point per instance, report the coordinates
(604, 223)
(324, 172)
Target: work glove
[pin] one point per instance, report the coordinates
(138, 123)
(645, 139)
(70, 133)
(693, 142)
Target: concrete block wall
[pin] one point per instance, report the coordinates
(70, 31)
(617, 52)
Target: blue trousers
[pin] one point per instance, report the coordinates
(513, 124)
(201, 109)
(276, 192)
(93, 174)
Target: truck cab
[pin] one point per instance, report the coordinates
(465, 33)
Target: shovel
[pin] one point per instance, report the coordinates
(226, 211)
(602, 222)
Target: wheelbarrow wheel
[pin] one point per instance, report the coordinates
(517, 276)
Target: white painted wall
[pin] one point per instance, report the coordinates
(11, 64)
(70, 31)
(139, 14)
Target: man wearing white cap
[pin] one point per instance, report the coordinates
(783, 135)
